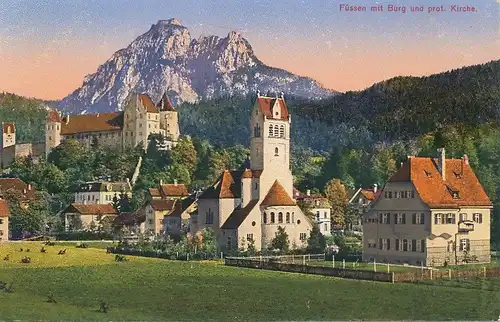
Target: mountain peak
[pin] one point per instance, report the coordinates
(171, 21)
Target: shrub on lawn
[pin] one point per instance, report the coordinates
(120, 258)
(43, 250)
(62, 252)
(6, 258)
(50, 299)
(26, 260)
(50, 243)
(82, 245)
(104, 307)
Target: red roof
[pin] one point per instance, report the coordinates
(368, 194)
(93, 209)
(8, 128)
(266, 107)
(53, 116)
(4, 208)
(86, 123)
(277, 196)
(147, 103)
(173, 190)
(161, 205)
(18, 185)
(438, 193)
(164, 104)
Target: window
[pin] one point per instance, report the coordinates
(276, 131)
(250, 237)
(464, 244)
(398, 244)
(303, 236)
(326, 227)
(256, 131)
(413, 246)
(287, 217)
(400, 219)
(371, 243)
(150, 221)
(272, 218)
(386, 219)
(1, 221)
(450, 218)
(325, 215)
(385, 244)
(254, 223)
(282, 131)
(161, 221)
(438, 219)
(293, 217)
(455, 195)
(256, 185)
(412, 194)
(209, 217)
(463, 217)
(478, 218)
(280, 218)
(271, 130)
(276, 152)
(1, 232)
(405, 245)
(298, 221)
(265, 218)
(140, 124)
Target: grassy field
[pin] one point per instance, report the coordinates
(155, 289)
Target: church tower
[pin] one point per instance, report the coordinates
(270, 143)
(169, 120)
(8, 134)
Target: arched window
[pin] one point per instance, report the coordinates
(271, 130)
(280, 218)
(287, 217)
(256, 131)
(272, 218)
(265, 218)
(282, 131)
(276, 152)
(276, 130)
(293, 217)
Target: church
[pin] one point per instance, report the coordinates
(248, 206)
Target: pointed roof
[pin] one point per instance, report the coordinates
(277, 196)
(266, 106)
(164, 104)
(147, 103)
(8, 128)
(53, 116)
(92, 209)
(239, 215)
(438, 193)
(228, 185)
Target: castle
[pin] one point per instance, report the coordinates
(129, 128)
(248, 206)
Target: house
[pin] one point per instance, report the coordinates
(180, 219)
(87, 217)
(319, 207)
(360, 200)
(168, 191)
(432, 211)
(129, 128)
(155, 211)
(10, 150)
(101, 192)
(25, 191)
(4, 220)
(247, 206)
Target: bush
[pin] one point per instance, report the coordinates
(50, 243)
(26, 260)
(82, 245)
(43, 250)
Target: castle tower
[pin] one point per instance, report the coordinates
(270, 143)
(8, 134)
(53, 130)
(169, 120)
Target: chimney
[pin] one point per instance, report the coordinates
(29, 187)
(97, 114)
(442, 162)
(282, 95)
(466, 159)
(67, 119)
(175, 181)
(375, 188)
(258, 93)
(308, 192)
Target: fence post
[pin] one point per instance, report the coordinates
(430, 271)
(484, 271)
(221, 255)
(304, 260)
(333, 261)
(374, 265)
(309, 257)
(187, 256)
(392, 277)
(343, 263)
(449, 274)
(388, 269)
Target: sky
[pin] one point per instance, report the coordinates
(48, 46)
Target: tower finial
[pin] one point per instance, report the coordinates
(258, 93)
(282, 95)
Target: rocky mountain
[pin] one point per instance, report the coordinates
(167, 58)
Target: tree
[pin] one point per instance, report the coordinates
(351, 216)
(25, 220)
(316, 242)
(336, 194)
(184, 153)
(281, 241)
(251, 250)
(384, 164)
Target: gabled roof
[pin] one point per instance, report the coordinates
(162, 205)
(4, 208)
(228, 185)
(129, 218)
(182, 205)
(154, 192)
(8, 128)
(53, 116)
(93, 209)
(266, 107)
(438, 193)
(102, 122)
(277, 196)
(147, 103)
(239, 215)
(164, 104)
(368, 194)
(18, 185)
(173, 190)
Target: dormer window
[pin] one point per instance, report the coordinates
(455, 195)
(457, 175)
(428, 174)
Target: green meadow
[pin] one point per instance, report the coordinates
(156, 289)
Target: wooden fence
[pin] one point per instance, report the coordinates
(426, 275)
(317, 270)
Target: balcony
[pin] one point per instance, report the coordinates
(465, 226)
